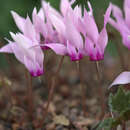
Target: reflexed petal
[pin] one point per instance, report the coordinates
(18, 20)
(90, 8)
(89, 46)
(39, 23)
(123, 78)
(126, 39)
(18, 52)
(47, 8)
(102, 40)
(73, 53)
(29, 30)
(41, 14)
(93, 51)
(127, 12)
(90, 26)
(7, 48)
(33, 67)
(117, 13)
(64, 6)
(58, 24)
(113, 23)
(77, 12)
(107, 14)
(72, 33)
(58, 48)
(21, 40)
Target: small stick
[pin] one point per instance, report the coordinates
(100, 91)
(51, 92)
(83, 90)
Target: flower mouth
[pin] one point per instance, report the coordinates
(37, 73)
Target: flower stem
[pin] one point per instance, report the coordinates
(124, 126)
(121, 56)
(83, 90)
(51, 92)
(100, 90)
(30, 97)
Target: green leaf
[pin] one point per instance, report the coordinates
(120, 102)
(106, 124)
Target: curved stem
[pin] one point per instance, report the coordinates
(124, 126)
(100, 90)
(83, 90)
(121, 56)
(51, 92)
(30, 97)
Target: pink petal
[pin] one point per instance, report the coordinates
(21, 40)
(73, 53)
(64, 5)
(57, 48)
(41, 14)
(102, 40)
(90, 26)
(72, 33)
(126, 39)
(117, 13)
(33, 67)
(47, 8)
(127, 12)
(93, 51)
(77, 12)
(18, 20)
(58, 24)
(113, 23)
(123, 78)
(29, 30)
(107, 14)
(7, 48)
(90, 8)
(18, 52)
(39, 23)
(89, 46)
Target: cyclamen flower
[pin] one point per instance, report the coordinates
(40, 29)
(44, 27)
(122, 23)
(31, 58)
(95, 42)
(123, 78)
(66, 24)
(70, 25)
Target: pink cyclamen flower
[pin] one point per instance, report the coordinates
(123, 78)
(44, 27)
(66, 24)
(122, 24)
(95, 42)
(40, 29)
(32, 58)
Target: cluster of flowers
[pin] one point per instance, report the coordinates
(67, 33)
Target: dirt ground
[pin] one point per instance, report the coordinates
(65, 111)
